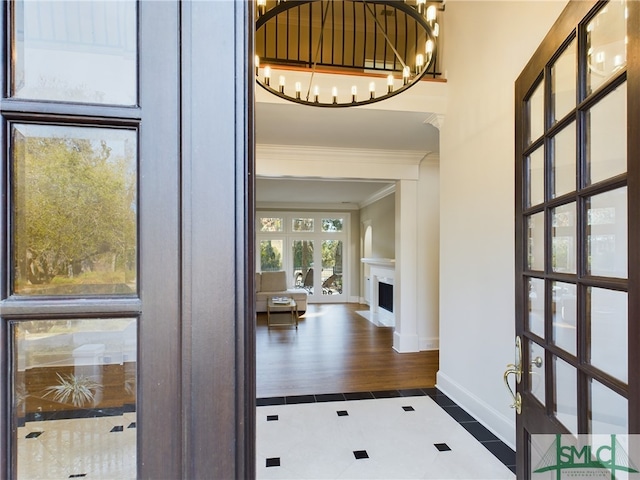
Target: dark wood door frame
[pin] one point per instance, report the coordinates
(196, 347)
(217, 261)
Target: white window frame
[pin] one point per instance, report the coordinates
(317, 236)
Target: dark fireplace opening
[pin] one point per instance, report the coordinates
(385, 296)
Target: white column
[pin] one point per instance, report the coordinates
(405, 337)
(428, 253)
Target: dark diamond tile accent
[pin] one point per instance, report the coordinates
(77, 475)
(409, 408)
(117, 428)
(272, 418)
(442, 447)
(360, 454)
(342, 413)
(330, 397)
(273, 462)
(501, 451)
(297, 399)
(132, 425)
(268, 401)
(412, 392)
(386, 394)
(459, 414)
(479, 431)
(358, 396)
(33, 435)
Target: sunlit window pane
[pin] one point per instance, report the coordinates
(271, 255)
(331, 267)
(607, 234)
(271, 224)
(74, 209)
(302, 224)
(535, 178)
(76, 51)
(606, 147)
(563, 239)
(563, 82)
(535, 309)
(608, 322)
(606, 43)
(535, 241)
(302, 251)
(535, 111)
(74, 398)
(332, 224)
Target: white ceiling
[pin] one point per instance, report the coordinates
(351, 127)
(304, 192)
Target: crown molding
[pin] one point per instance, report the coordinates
(435, 119)
(307, 207)
(379, 195)
(433, 159)
(302, 153)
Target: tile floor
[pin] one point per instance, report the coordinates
(91, 448)
(407, 434)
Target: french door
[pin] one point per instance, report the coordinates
(125, 347)
(311, 247)
(578, 236)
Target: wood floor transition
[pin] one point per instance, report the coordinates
(335, 350)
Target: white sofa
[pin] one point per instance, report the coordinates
(274, 284)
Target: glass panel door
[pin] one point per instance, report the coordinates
(310, 247)
(72, 213)
(302, 251)
(574, 256)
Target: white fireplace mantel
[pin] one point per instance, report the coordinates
(382, 270)
(381, 262)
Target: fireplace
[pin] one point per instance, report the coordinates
(381, 290)
(385, 296)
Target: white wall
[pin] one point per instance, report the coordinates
(382, 216)
(428, 254)
(488, 45)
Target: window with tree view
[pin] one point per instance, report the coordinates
(270, 255)
(74, 206)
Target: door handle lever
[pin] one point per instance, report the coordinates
(515, 369)
(517, 399)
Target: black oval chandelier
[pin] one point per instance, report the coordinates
(390, 45)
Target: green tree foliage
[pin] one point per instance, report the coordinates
(75, 210)
(302, 254)
(270, 258)
(332, 255)
(332, 224)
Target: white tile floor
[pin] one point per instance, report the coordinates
(91, 448)
(314, 441)
(398, 436)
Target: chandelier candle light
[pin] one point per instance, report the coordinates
(392, 43)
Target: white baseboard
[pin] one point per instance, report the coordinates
(501, 426)
(429, 343)
(406, 343)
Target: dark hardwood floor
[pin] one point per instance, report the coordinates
(335, 350)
